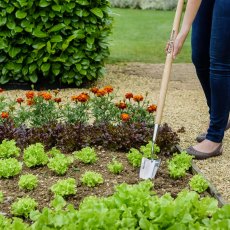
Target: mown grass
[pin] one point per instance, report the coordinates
(141, 36)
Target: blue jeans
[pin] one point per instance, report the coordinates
(211, 58)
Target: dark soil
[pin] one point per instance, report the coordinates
(42, 194)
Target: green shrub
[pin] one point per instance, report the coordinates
(91, 179)
(35, 155)
(28, 181)
(64, 187)
(53, 40)
(23, 206)
(9, 167)
(9, 149)
(86, 155)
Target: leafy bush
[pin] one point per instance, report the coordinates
(10, 167)
(86, 155)
(115, 166)
(23, 206)
(9, 149)
(91, 179)
(64, 187)
(51, 40)
(1, 197)
(179, 164)
(59, 163)
(34, 155)
(198, 183)
(28, 181)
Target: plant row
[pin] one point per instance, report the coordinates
(130, 207)
(96, 106)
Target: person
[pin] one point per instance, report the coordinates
(210, 40)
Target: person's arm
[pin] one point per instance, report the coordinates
(190, 13)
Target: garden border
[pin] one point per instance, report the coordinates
(211, 189)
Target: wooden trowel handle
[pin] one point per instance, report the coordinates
(168, 63)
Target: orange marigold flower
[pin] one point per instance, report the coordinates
(74, 98)
(1, 90)
(94, 90)
(152, 108)
(47, 96)
(19, 100)
(58, 99)
(101, 93)
(128, 96)
(108, 89)
(5, 115)
(121, 105)
(125, 117)
(30, 94)
(30, 101)
(138, 98)
(83, 97)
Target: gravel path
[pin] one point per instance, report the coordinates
(185, 107)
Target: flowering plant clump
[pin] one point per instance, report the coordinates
(59, 163)
(78, 110)
(34, 155)
(9, 149)
(115, 167)
(86, 155)
(91, 179)
(103, 107)
(64, 187)
(28, 182)
(10, 167)
(198, 183)
(23, 206)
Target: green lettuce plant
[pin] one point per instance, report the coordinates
(198, 183)
(134, 157)
(9, 149)
(91, 179)
(179, 164)
(59, 163)
(23, 206)
(146, 150)
(64, 187)
(86, 155)
(10, 167)
(28, 182)
(34, 155)
(115, 167)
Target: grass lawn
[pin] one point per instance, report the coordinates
(141, 36)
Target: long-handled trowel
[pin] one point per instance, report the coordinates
(149, 166)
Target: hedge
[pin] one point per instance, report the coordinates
(53, 40)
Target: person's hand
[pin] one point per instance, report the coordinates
(177, 45)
